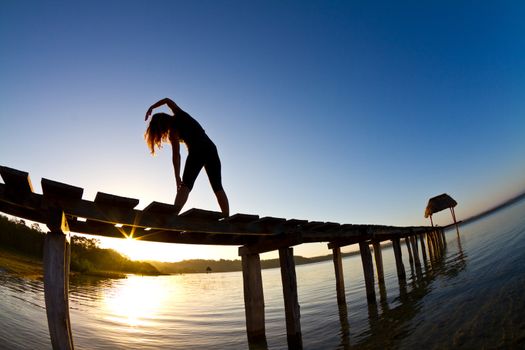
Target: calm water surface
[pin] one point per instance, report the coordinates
(472, 297)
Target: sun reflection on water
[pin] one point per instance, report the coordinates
(136, 303)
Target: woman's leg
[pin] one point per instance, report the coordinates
(181, 198)
(223, 202)
(213, 169)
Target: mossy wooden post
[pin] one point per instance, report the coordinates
(400, 267)
(57, 250)
(339, 277)
(368, 270)
(253, 297)
(378, 256)
(291, 301)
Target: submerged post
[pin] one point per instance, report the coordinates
(253, 297)
(400, 267)
(339, 277)
(368, 270)
(291, 301)
(57, 250)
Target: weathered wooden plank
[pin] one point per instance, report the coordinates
(59, 190)
(160, 208)
(17, 184)
(368, 271)
(204, 215)
(241, 218)
(56, 282)
(253, 297)
(113, 201)
(291, 301)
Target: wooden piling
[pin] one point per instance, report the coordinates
(339, 277)
(410, 257)
(291, 302)
(378, 256)
(368, 270)
(253, 297)
(57, 250)
(413, 242)
(423, 248)
(400, 267)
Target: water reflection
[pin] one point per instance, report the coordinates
(135, 303)
(394, 323)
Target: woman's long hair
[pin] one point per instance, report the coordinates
(158, 130)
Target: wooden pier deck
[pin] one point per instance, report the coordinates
(62, 208)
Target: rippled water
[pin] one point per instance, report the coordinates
(472, 297)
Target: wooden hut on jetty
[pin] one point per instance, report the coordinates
(62, 209)
(439, 203)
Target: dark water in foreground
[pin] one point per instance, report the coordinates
(472, 297)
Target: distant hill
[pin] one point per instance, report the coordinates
(496, 208)
(203, 265)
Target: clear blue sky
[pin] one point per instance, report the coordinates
(345, 111)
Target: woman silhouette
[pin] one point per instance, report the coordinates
(182, 128)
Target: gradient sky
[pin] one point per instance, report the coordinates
(343, 111)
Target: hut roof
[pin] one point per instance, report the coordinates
(438, 203)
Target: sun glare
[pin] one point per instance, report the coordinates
(135, 303)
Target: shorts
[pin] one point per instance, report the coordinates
(203, 155)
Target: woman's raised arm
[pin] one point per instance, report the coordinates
(165, 101)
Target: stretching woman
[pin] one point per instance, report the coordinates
(182, 128)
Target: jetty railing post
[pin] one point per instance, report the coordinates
(57, 250)
(253, 298)
(291, 301)
(368, 270)
(339, 277)
(378, 256)
(400, 267)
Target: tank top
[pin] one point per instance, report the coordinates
(190, 131)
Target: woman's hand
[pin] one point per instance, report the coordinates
(148, 113)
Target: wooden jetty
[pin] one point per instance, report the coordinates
(63, 210)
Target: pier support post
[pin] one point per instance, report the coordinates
(339, 277)
(57, 250)
(378, 256)
(400, 267)
(253, 298)
(415, 251)
(368, 270)
(410, 258)
(291, 301)
(423, 248)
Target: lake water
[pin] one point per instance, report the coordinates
(472, 297)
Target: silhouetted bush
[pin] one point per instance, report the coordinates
(86, 256)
